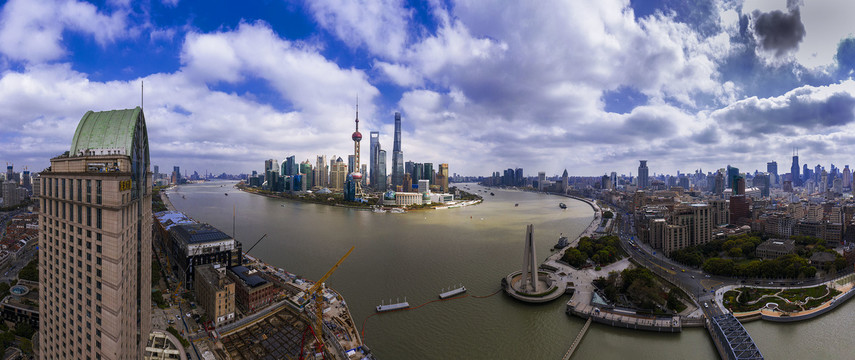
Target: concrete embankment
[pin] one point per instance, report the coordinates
(626, 319)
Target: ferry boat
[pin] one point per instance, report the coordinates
(562, 205)
(379, 210)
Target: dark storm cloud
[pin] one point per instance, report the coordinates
(845, 57)
(755, 117)
(778, 31)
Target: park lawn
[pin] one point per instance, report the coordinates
(795, 295)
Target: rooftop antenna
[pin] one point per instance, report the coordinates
(142, 93)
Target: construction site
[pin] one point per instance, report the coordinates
(290, 329)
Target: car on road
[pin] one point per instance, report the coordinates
(693, 276)
(683, 270)
(672, 268)
(706, 276)
(706, 305)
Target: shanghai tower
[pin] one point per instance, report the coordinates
(397, 154)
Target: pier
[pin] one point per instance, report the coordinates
(578, 339)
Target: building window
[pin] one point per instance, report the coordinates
(88, 216)
(80, 214)
(98, 215)
(98, 192)
(79, 191)
(89, 191)
(63, 189)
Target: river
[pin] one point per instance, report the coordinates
(416, 255)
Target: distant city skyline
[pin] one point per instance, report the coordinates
(685, 85)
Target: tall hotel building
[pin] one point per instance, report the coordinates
(95, 242)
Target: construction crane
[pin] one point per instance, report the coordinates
(314, 293)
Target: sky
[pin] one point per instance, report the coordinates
(590, 86)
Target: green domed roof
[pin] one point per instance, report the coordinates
(112, 129)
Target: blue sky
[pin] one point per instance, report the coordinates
(591, 86)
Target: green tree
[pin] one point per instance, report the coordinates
(26, 346)
(7, 339)
(608, 215)
(674, 302)
(24, 330)
(31, 271)
(4, 289)
(735, 252)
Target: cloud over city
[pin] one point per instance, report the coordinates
(587, 86)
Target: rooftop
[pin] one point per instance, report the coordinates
(252, 280)
(168, 219)
(113, 129)
(198, 233)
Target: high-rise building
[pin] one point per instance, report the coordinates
(612, 177)
(397, 154)
(338, 174)
(772, 169)
(732, 173)
(9, 173)
(847, 177)
(519, 178)
(176, 175)
(306, 181)
(642, 175)
(442, 177)
(95, 242)
(407, 183)
(373, 158)
(427, 172)
(794, 171)
(541, 180)
(351, 164)
(381, 171)
(291, 166)
(321, 174)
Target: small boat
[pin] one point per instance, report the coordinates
(491, 194)
(562, 242)
(379, 210)
(517, 204)
(562, 205)
(227, 194)
(397, 211)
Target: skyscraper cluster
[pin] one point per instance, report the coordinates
(290, 176)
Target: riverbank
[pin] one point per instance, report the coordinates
(359, 206)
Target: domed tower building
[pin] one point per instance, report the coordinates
(353, 188)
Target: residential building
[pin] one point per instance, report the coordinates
(215, 292)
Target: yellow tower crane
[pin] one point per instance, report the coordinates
(314, 293)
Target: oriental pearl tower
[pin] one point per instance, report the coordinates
(356, 175)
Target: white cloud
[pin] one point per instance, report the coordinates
(189, 123)
(379, 25)
(32, 30)
(401, 75)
